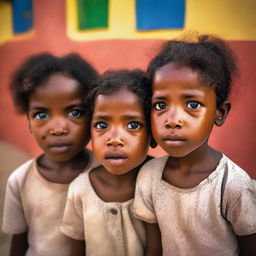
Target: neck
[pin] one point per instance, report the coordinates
(126, 179)
(203, 158)
(78, 162)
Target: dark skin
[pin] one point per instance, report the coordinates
(121, 188)
(118, 125)
(247, 245)
(63, 172)
(19, 244)
(59, 127)
(183, 114)
(185, 177)
(113, 188)
(77, 247)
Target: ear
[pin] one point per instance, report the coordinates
(222, 113)
(153, 143)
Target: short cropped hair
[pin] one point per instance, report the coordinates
(37, 69)
(208, 55)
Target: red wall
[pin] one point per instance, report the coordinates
(236, 138)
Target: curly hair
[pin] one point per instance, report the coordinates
(208, 55)
(111, 81)
(37, 69)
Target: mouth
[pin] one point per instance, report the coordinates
(59, 147)
(174, 140)
(115, 158)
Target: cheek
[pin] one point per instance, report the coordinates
(97, 144)
(156, 125)
(201, 127)
(140, 145)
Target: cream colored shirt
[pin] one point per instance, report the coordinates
(33, 203)
(203, 220)
(108, 228)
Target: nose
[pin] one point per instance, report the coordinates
(115, 138)
(174, 119)
(58, 127)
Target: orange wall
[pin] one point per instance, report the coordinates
(236, 138)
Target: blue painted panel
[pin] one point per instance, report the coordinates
(160, 14)
(22, 15)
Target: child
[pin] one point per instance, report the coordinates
(203, 202)
(98, 208)
(50, 91)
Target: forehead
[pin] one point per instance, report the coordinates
(56, 86)
(172, 77)
(120, 101)
(58, 90)
(171, 71)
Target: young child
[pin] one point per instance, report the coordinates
(50, 91)
(98, 208)
(203, 202)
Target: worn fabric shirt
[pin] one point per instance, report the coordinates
(203, 220)
(108, 228)
(33, 203)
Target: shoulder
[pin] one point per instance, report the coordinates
(80, 184)
(238, 180)
(152, 170)
(236, 175)
(20, 173)
(154, 166)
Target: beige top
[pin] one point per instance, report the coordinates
(33, 203)
(108, 228)
(203, 220)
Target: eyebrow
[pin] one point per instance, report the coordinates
(75, 106)
(125, 117)
(159, 98)
(37, 108)
(186, 95)
(45, 108)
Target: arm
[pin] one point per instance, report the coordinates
(153, 240)
(19, 244)
(247, 245)
(77, 247)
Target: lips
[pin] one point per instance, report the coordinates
(115, 158)
(174, 140)
(59, 147)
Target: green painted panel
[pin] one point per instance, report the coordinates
(92, 14)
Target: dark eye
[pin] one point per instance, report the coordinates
(75, 113)
(101, 125)
(134, 125)
(159, 105)
(193, 105)
(40, 116)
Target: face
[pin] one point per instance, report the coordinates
(183, 110)
(119, 134)
(56, 118)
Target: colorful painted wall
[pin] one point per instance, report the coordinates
(126, 34)
(115, 34)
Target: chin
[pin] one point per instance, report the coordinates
(117, 172)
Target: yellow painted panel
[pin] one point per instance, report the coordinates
(5, 21)
(6, 31)
(230, 19)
